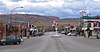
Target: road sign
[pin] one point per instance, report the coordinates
(54, 21)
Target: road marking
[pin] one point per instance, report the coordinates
(60, 45)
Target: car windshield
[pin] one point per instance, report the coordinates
(50, 25)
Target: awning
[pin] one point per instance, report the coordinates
(86, 28)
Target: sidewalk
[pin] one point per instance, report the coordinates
(23, 39)
(92, 37)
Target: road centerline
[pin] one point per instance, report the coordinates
(60, 45)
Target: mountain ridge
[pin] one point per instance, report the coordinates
(44, 20)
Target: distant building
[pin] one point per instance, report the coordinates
(69, 22)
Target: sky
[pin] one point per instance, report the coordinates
(59, 8)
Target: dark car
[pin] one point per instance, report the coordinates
(10, 40)
(40, 33)
(34, 34)
(59, 31)
(66, 32)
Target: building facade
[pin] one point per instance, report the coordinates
(92, 22)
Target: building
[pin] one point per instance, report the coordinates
(92, 22)
(2, 30)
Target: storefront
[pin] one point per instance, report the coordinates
(90, 22)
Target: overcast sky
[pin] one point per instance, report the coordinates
(59, 8)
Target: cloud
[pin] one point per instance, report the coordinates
(53, 3)
(60, 8)
(2, 13)
(30, 13)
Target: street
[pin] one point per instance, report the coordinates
(47, 44)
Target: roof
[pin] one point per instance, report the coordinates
(90, 17)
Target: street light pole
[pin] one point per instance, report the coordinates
(11, 17)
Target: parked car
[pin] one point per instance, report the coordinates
(71, 34)
(59, 31)
(35, 33)
(66, 32)
(63, 32)
(10, 40)
(40, 33)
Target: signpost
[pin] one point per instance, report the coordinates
(56, 35)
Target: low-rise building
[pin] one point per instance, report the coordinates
(92, 22)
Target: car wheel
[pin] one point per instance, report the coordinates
(17, 43)
(65, 33)
(4, 43)
(34, 35)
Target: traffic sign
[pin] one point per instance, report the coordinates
(54, 21)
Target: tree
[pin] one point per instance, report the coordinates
(1, 30)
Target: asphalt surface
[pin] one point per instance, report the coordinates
(47, 44)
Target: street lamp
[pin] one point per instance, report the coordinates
(11, 16)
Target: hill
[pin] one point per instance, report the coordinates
(44, 20)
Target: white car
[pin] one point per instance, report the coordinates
(62, 32)
(71, 34)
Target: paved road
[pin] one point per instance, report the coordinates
(47, 44)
